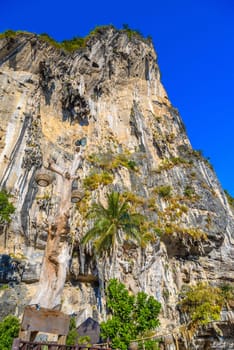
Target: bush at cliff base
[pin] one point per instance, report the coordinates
(131, 316)
(9, 329)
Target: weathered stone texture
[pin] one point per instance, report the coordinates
(110, 93)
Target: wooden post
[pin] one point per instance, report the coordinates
(44, 320)
(33, 335)
(62, 339)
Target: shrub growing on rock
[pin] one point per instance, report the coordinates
(6, 208)
(9, 329)
(203, 303)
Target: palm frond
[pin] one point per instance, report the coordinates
(113, 222)
(113, 204)
(97, 210)
(90, 235)
(98, 227)
(105, 239)
(124, 208)
(133, 233)
(146, 238)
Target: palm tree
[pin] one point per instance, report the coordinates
(112, 224)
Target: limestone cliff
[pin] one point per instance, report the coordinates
(102, 109)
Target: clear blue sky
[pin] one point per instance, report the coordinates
(194, 40)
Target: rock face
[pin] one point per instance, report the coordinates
(109, 95)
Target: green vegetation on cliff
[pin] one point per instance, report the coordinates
(9, 329)
(77, 42)
(203, 303)
(229, 198)
(131, 316)
(6, 208)
(73, 336)
(94, 180)
(111, 161)
(12, 33)
(112, 223)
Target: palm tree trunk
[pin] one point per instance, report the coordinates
(113, 259)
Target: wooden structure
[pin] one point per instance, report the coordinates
(19, 344)
(88, 278)
(36, 319)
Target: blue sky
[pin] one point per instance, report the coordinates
(194, 40)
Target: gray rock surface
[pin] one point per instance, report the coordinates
(110, 93)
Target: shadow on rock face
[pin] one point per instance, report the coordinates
(11, 270)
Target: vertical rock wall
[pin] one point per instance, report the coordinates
(110, 95)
